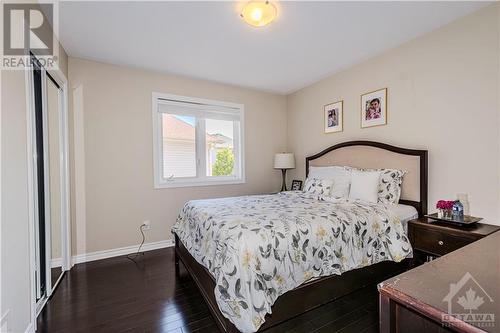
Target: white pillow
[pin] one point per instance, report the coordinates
(341, 179)
(364, 185)
(389, 186)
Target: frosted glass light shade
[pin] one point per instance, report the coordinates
(284, 161)
(259, 13)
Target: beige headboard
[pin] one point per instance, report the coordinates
(375, 155)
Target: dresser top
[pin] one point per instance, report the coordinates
(465, 281)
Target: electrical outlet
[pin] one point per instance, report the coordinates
(146, 225)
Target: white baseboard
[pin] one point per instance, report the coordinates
(56, 262)
(98, 255)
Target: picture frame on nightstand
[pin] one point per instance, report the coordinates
(296, 185)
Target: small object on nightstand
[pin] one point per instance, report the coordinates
(454, 212)
(296, 185)
(457, 211)
(444, 208)
(464, 199)
(465, 220)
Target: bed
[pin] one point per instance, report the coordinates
(260, 260)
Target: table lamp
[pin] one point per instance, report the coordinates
(284, 161)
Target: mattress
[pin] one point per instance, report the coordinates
(405, 214)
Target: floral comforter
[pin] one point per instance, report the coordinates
(259, 247)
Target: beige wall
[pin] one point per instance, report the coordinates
(443, 95)
(16, 282)
(118, 153)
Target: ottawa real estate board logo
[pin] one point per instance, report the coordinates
(468, 302)
(28, 28)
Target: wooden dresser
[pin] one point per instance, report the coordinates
(465, 283)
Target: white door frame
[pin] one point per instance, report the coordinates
(32, 203)
(62, 81)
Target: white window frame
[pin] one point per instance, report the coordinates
(200, 179)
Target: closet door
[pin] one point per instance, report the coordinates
(50, 183)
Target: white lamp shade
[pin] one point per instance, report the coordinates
(284, 161)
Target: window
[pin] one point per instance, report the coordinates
(197, 142)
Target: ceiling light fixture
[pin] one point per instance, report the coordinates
(259, 13)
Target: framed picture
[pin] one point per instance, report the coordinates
(334, 117)
(296, 185)
(374, 108)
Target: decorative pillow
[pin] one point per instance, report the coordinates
(341, 179)
(389, 190)
(364, 185)
(320, 187)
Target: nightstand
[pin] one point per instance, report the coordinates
(430, 238)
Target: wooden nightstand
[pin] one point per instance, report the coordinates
(431, 238)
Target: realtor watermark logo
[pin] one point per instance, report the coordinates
(467, 302)
(28, 27)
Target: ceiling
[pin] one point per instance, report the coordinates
(208, 40)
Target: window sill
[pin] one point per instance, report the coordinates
(198, 183)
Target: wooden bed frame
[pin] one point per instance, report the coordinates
(313, 294)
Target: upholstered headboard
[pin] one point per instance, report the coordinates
(375, 155)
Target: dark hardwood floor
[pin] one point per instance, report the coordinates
(118, 295)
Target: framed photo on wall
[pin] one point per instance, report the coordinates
(374, 108)
(334, 117)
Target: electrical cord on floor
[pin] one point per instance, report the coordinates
(134, 256)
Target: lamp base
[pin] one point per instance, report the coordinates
(283, 184)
